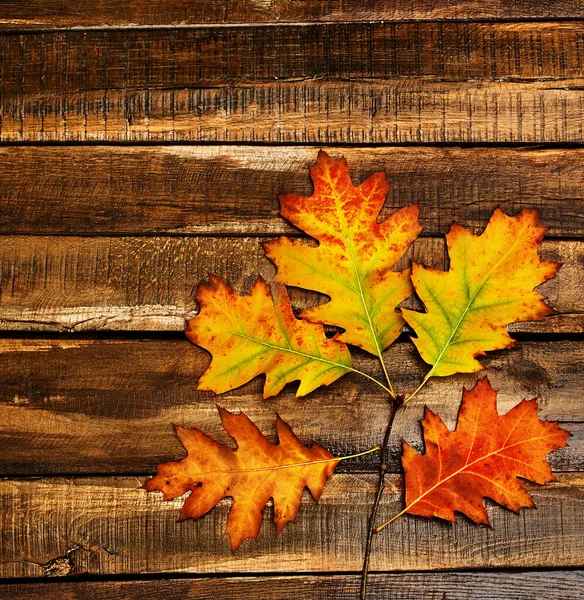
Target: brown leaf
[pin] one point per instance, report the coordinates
(251, 474)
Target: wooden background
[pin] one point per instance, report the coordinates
(142, 147)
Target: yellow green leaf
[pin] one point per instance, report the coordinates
(489, 285)
(353, 261)
(258, 333)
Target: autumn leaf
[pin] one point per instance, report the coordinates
(353, 261)
(482, 458)
(251, 474)
(489, 285)
(258, 333)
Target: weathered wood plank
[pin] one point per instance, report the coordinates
(75, 61)
(106, 406)
(42, 14)
(233, 189)
(146, 283)
(495, 585)
(109, 526)
(368, 83)
(410, 111)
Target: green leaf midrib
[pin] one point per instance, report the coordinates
(468, 306)
(362, 295)
(288, 349)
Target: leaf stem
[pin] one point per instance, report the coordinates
(389, 390)
(374, 449)
(309, 462)
(397, 402)
(399, 514)
(424, 381)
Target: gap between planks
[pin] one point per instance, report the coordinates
(494, 585)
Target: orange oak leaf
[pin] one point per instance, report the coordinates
(251, 474)
(489, 285)
(353, 261)
(258, 333)
(482, 458)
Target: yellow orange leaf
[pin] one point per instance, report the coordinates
(258, 333)
(482, 458)
(353, 261)
(489, 285)
(251, 474)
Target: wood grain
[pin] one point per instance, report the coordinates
(233, 189)
(365, 83)
(323, 113)
(108, 526)
(494, 585)
(90, 415)
(43, 14)
(106, 406)
(74, 284)
(75, 61)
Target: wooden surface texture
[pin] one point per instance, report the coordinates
(72, 283)
(493, 585)
(326, 83)
(35, 15)
(142, 147)
(232, 190)
(113, 528)
(120, 398)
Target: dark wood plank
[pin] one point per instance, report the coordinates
(73, 284)
(233, 189)
(311, 83)
(43, 14)
(106, 406)
(108, 526)
(74, 61)
(495, 585)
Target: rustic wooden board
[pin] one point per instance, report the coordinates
(74, 61)
(109, 526)
(106, 406)
(91, 415)
(233, 189)
(43, 14)
(365, 82)
(146, 283)
(494, 585)
(329, 113)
